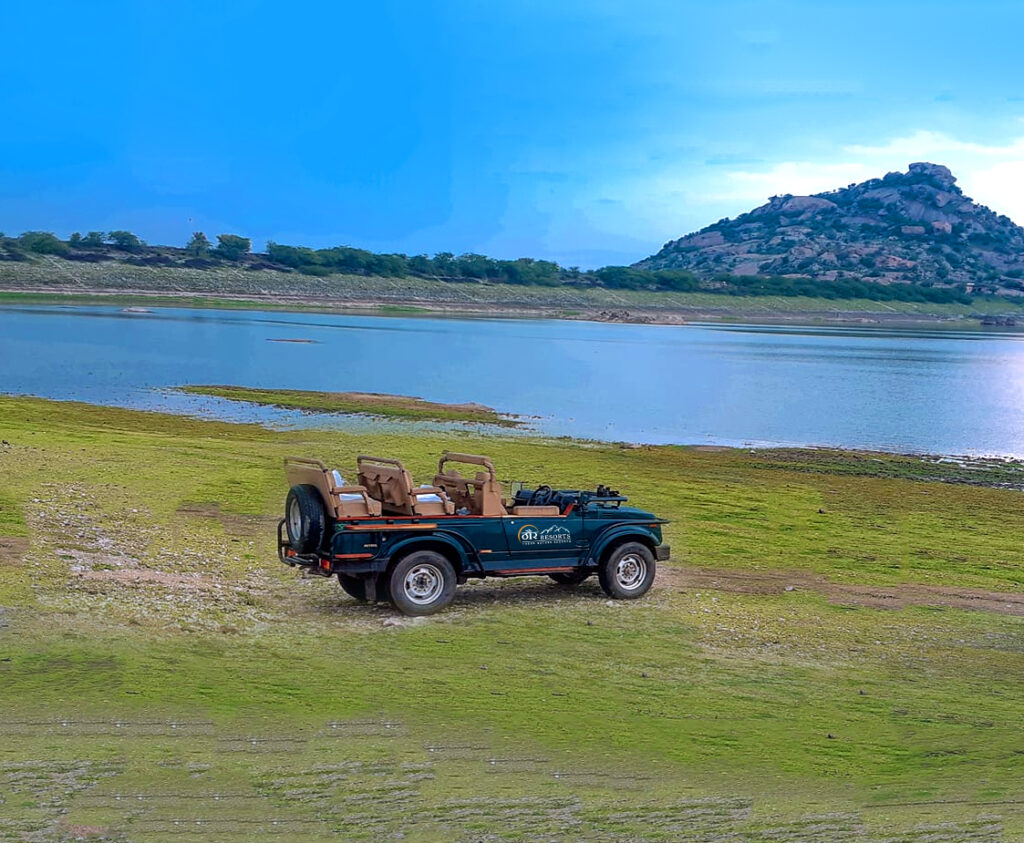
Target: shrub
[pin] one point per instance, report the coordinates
(232, 247)
(42, 243)
(198, 244)
(125, 240)
(293, 256)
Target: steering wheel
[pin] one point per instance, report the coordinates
(541, 495)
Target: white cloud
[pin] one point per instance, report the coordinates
(990, 174)
(1000, 186)
(676, 201)
(797, 177)
(936, 143)
(642, 207)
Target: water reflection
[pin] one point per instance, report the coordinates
(908, 390)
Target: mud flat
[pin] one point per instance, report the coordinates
(368, 403)
(53, 281)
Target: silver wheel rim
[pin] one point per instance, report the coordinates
(630, 572)
(423, 584)
(295, 519)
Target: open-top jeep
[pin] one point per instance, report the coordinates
(388, 539)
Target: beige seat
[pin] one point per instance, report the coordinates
(388, 481)
(340, 501)
(479, 495)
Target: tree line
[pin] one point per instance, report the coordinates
(200, 252)
(229, 246)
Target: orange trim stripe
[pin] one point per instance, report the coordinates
(366, 527)
(353, 556)
(350, 518)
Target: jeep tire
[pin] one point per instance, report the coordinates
(627, 572)
(422, 583)
(304, 518)
(354, 586)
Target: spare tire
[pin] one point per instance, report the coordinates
(304, 518)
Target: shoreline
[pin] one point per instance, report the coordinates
(988, 470)
(412, 306)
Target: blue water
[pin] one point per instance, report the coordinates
(898, 390)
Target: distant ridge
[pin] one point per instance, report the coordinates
(913, 227)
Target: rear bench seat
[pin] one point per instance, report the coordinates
(340, 501)
(389, 482)
(479, 495)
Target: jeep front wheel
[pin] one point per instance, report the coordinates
(627, 572)
(422, 583)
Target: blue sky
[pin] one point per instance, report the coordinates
(585, 132)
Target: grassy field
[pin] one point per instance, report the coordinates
(835, 652)
(52, 280)
(369, 403)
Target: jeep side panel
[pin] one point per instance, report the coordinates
(367, 546)
(543, 542)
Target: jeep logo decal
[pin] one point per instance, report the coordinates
(555, 534)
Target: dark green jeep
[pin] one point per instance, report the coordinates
(388, 539)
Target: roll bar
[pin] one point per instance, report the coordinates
(305, 461)
(382, 460)
(469, 459)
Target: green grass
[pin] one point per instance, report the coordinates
(375, 404)
(11, 521)
(220, 691)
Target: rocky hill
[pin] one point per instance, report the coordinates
(907, 227)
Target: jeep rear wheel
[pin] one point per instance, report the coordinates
(304, 518)
(571, 577)
(353, 586)
(627, 572)
(422, 583)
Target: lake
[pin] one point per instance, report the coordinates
(897, 390)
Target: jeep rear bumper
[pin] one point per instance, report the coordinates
(287, 554)
(661, 552)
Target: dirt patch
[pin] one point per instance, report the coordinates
(847, 594)
(81, 832)
(233, 523)
(12, 549)
(137, 576)
(200, 509)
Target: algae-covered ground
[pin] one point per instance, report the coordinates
(368, 403)
(835, 652)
